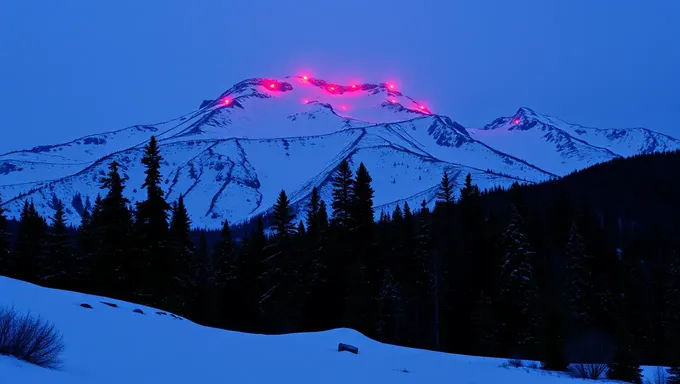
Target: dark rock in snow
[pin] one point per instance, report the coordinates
(88, 306)
(349, 348)
(161, 313)
(109, 304)
(138, 311)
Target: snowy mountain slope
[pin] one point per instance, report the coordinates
(234, 178)
(116, 345)
(231, 157)
(558, 147)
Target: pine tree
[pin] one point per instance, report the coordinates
(283, 217)
(519, 293)
(223, 256)
(152, 230)
(671, 318)
(29, 261)
(111, 225)
(313, 211)
(183, 267)
(580, 287)
(362, 199)
(342, 195)
(391, 309)
(152, 214)
(4, 241)
(59, 252)
(624, 367)
(445, 193)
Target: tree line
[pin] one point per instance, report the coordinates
(510, 273)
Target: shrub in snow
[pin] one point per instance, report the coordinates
(138, 311)
(515, 363)
(30, 338)
(88, 306)
(660, 377)
(588, 371)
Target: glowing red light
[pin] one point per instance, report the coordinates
(391, 86)
(393, 100)
(306, 101)
(422, 107)
(227, 101)
(343, 107)
(272, 85)
(516, 121)
(305, 78)
(332, 88)
(354, 85)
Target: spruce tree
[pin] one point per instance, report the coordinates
(580, 287)
(519, 293)
(223, 255)
(282, 303)
(111, 224)
(152, 229)
(624, 366)
(313, 213)
(445, 193)
(183, 266)
(283, 217)
(29, 261)
(4, 241)
(342, 195)
(59, 252)
(671, 318)
(152, 213)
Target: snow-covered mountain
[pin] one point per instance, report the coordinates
(231, 157)
(560, 147)
(106, 344)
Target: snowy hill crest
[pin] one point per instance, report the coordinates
(232, 156)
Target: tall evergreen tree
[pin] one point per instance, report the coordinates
(29, 261)
(342, 195)
(4, 241)
(519, 293)
(152, 213)
(624, 366)
(113, 273)
(313, 210)
(59, 252)
(445, 193)
(152, 230)
(283, 217)
(183, 266)
(581, 284)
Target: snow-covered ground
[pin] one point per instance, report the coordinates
(116, 345)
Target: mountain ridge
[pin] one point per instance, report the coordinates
(262, 135)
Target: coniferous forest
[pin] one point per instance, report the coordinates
(584, 268)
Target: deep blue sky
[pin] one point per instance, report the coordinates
(75, 67)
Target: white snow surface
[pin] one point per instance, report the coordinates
(231, 157)
(116, 345)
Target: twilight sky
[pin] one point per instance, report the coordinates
(76, 67)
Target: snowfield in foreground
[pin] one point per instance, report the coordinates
(116, 345)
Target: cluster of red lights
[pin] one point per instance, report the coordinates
(332, 88)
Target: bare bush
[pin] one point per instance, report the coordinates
(660, 377)
(30, 338)
(515, 363)
(588, 371)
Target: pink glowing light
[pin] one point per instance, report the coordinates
(227, 101)
(332, 88)
(272, 85)
(391, 86)
(354, 85)
(305, 78)
(516, 121)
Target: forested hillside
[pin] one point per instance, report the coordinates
(584, 268)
